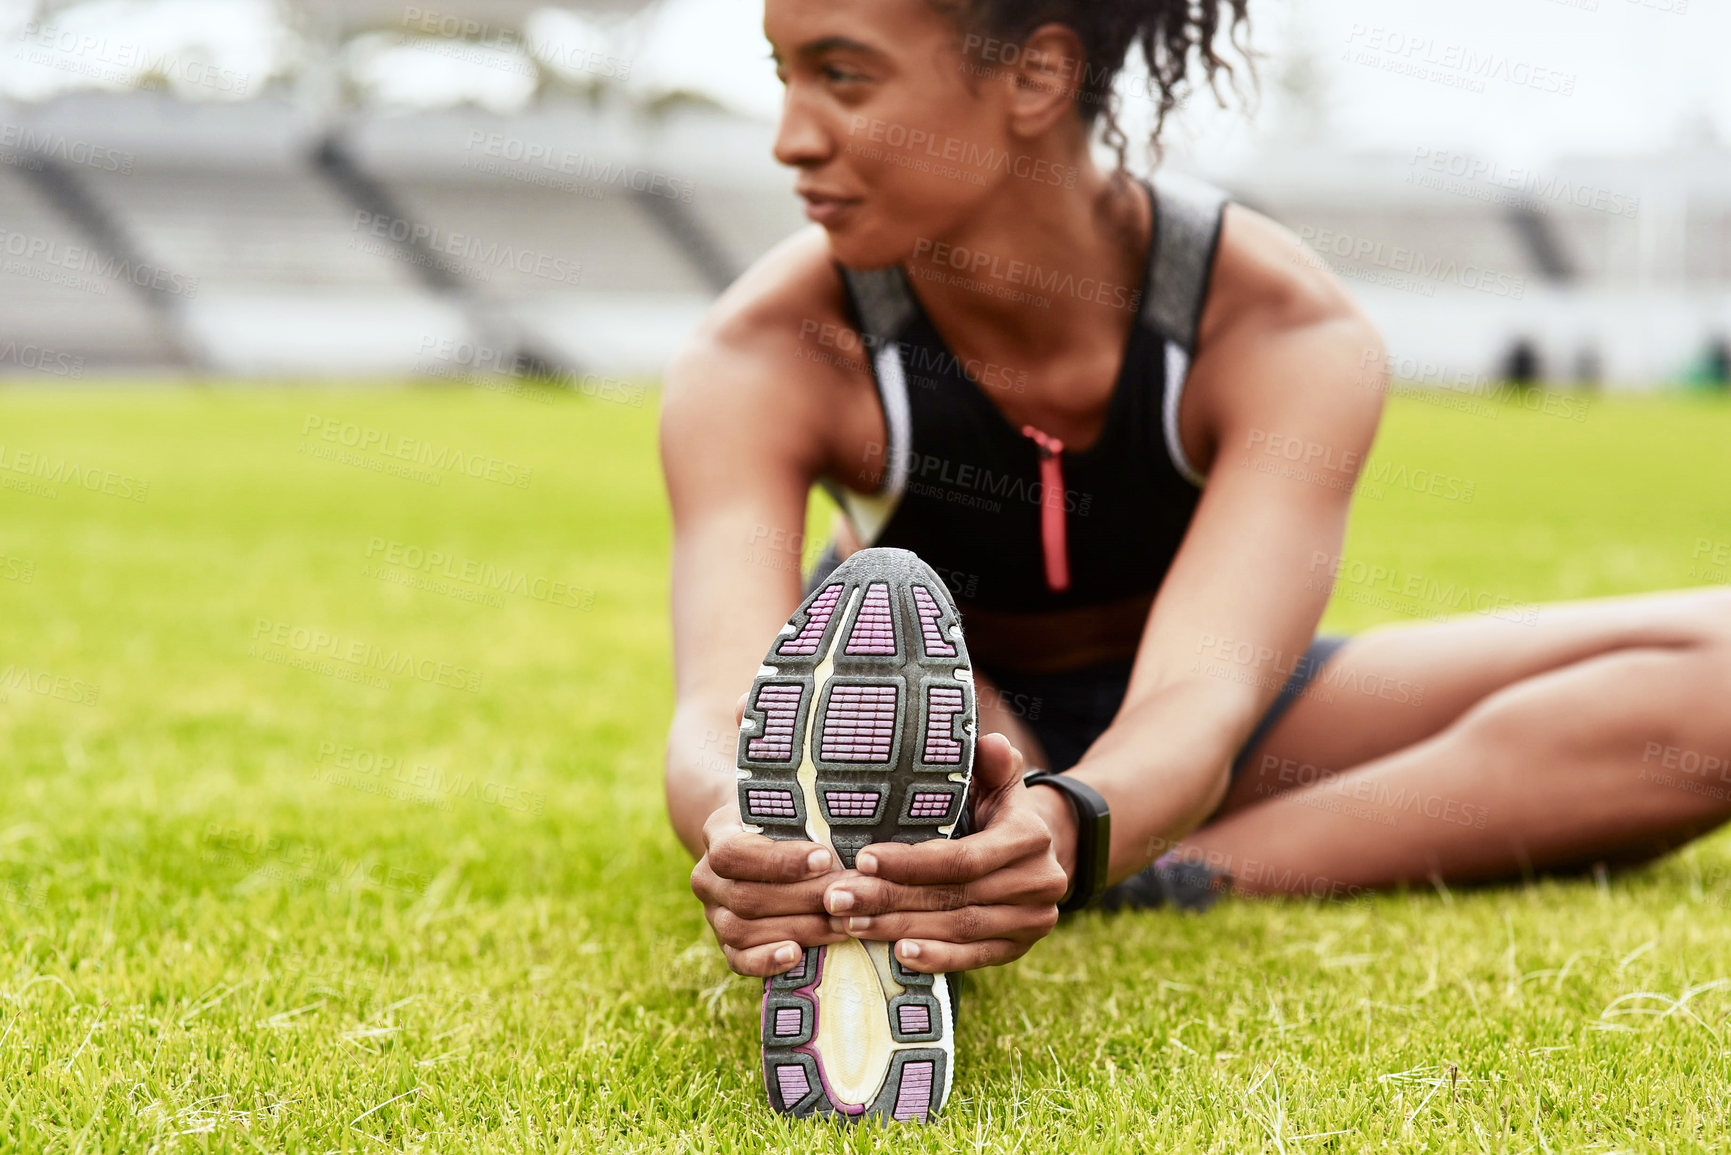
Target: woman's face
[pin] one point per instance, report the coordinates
(896, 138)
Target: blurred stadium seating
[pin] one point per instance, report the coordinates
(295, 234)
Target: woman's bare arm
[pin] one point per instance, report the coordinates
(1288, 391)
(739, 453)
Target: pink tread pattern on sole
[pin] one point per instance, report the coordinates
(780, 705)
(771, 803)
(916, 1020)
(794, 1085)
(943, 703)
(929, 806)
(914, 1098)
(852, 803)
(874, 630)
(804, 643)
(929, 612)
(787, 1021)
(859, 724)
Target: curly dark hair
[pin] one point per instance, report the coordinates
(1169, 31)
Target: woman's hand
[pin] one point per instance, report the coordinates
(763, 898)
(958, 904)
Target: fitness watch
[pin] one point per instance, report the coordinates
(1093, 836)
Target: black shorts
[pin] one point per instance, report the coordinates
(1068, 711)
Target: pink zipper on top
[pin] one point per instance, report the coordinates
(1052, 494)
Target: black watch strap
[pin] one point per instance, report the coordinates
(1093, 836)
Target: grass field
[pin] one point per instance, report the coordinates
(309, 841)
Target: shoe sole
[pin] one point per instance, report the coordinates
(860, 728)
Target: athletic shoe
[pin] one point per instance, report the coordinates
(860, 728)
(1168, 881)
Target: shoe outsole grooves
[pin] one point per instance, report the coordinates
(860, 728)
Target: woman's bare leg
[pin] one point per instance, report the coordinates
(1601, 730)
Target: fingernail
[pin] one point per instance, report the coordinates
(786, 953)
(909, 949)
(866, 863)
(858, 923)
(818, 861)
(839, 901)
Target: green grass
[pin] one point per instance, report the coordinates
(477, 935)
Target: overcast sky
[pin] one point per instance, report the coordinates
(1638, 69)
(1527, 79)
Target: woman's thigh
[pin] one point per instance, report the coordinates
(1393, 686)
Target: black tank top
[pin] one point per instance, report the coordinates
(1012, 527)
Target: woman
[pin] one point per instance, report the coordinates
(1123, 423)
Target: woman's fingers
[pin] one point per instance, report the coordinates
(741, 933)
(759, 899)
(1014, 834)
(754, 858)
(931, 957)
(968, 924)
(1035, 882)
(762, 961)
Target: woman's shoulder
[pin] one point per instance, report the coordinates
(783, 317)
(776, 351)
(1281, 344)
(1265, 277)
